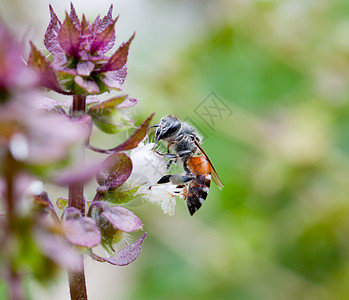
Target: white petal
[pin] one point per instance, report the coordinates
(148, 167)
(169, 206)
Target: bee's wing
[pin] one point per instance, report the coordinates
(214, 174)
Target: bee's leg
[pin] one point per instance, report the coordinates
(172, 157)
(164, 179)
(194, 137)
(185, 154)
(167, 155)
(176, 179)
(186, 168)
(169, 164)
(181, 154)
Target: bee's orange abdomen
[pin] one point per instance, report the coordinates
(199, 186)
(199, 165)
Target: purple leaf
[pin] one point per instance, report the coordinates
(125, 256)
(74, 17)
(128, 102)
(51, 35)
(119, 58)
(116, 169)
(114, 79)
(41, 65)
(69, 37)
(84, 85)
(106, 21)
(85, 27)
(135, 138)
(59, 61)
(92, 100)
(84, 68)
(123, 219)
(104, 41)
(81, 231)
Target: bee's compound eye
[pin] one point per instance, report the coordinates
(173, 127)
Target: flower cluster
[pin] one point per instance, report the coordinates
(79, 64)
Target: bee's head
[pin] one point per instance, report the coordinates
(167, 128)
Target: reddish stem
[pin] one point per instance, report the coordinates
(77, 282)
(76, 197)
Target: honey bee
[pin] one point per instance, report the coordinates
(186, 144)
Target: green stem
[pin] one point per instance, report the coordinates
(77, 282)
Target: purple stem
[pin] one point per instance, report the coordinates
(77, 282)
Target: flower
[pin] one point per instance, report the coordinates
(14, 76)
(38, 138)
(114, 224)
(79, 64)
(148, 168)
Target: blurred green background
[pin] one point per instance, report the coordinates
(280, 227)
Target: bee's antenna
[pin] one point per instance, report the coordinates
(153, 126)
(156, 141)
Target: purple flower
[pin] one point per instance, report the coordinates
(79, 230)
(79, 64)
(114, 223)
(38, 138)
(15, 77)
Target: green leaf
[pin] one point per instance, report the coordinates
(121, 195)
(108, 105)
(108, 117)
(62, 202)
(66, 80)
